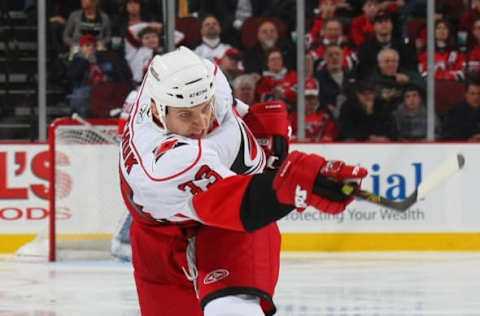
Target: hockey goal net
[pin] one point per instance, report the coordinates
(85, 200)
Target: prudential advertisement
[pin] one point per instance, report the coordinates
(395, 170)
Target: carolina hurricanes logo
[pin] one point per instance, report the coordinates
(166, 146)
(215, 275)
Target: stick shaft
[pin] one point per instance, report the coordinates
(447, 168)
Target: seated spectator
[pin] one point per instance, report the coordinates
(87, 69)
(470, 15)
(244, 88)
(131, 12)
(327, 10)
(362, 26)
(443, 11)
(277, 83)
(333, 34)
(319, 125)
(133, 40)
(390, 81)
(268, 38)
(463, 120)
(472, 58)
(211, 47)
(231, 64)
(233, 15)
(368, 52)
(364, 117)
(57, 13)
(334, 80)
(88, 20)
(449, 61)
(410, 118)
(139, 59)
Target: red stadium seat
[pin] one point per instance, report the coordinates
(414, 27)
(458, 6)
(107, 96)
(250, 28)
(190, 26)
(448, 93)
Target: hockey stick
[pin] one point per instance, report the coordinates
(447, 168)
(97, 130)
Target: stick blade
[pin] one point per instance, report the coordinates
(400, 206)
(450, 166)
(403, 205)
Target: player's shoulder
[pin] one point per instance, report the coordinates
(223, 91)
(175, 155)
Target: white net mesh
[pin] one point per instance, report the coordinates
(88, 202)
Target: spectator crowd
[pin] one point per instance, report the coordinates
(366, 61)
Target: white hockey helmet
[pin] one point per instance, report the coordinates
(179, 78)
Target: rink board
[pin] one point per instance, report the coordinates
(9, 243)
(448, 219)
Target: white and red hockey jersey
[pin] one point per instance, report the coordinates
(161, 172)
(449, 65)
(212, 53)
(137, 56)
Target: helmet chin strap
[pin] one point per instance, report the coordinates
(212, 105)
(214, 115)
(157, 117)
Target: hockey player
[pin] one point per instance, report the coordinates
(204, 205)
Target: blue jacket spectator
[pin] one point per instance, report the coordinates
(88, 69)
(463, 120)
(410, 118)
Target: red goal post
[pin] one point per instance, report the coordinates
(85, 200)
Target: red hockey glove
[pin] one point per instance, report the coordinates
(340, 172)
(269, 123)
(330, 184)
(304, 180)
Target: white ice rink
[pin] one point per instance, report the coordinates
(323, 284)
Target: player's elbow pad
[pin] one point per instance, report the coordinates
(269, 123)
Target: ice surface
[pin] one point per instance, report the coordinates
(316, 284)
